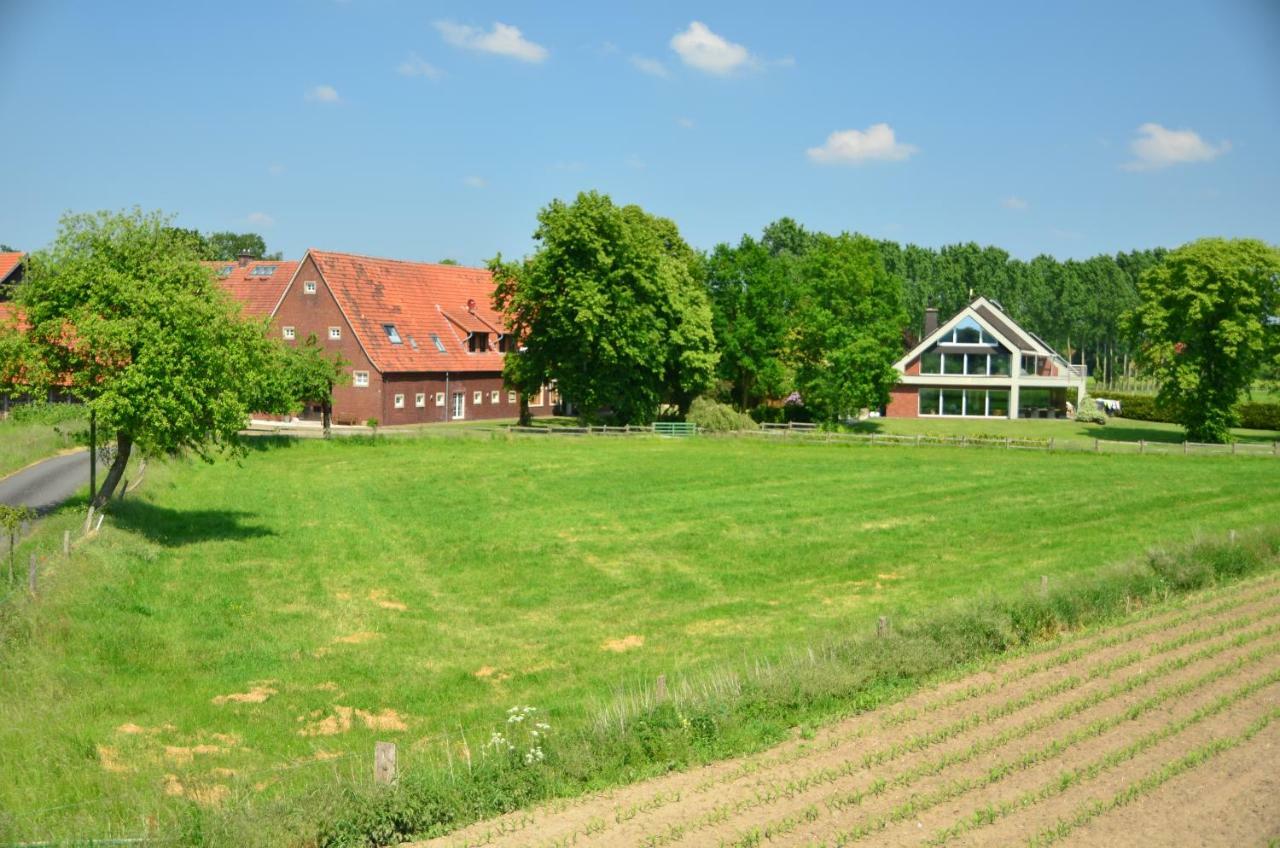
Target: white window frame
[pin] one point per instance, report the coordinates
(439, 398)
(536, 400)
(309, 287)
(495, 396)
(360, 379)
(289, 333)
(459, 409)
(397, 400)
(511, 397)
(335, 334)
(477, 398)
(420, 400)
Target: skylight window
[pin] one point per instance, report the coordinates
(263, 270)
(392, 335)
(225, 270)
(435, 340)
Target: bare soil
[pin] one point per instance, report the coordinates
(1070, 743)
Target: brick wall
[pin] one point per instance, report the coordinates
(903, 403)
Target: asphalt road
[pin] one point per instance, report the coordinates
(46, 484)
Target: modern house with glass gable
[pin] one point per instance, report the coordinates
(981, 364)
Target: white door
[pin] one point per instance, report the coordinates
(459, 404)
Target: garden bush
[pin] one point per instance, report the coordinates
(718, 417)
(1088, 412)
(1253, 415)
(46, 413)
(1256, 415)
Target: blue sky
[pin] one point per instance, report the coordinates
(426, 130)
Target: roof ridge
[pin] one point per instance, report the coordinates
(397, 261)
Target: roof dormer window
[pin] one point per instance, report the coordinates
(263, 270)
(392, 335)
(435, 340)
(225, 270)
(478, 342)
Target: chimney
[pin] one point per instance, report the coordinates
(930, 320)
(245, 257)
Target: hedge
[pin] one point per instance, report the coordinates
(1253, 415)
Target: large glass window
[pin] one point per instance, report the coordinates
(1030, 363)
(977, 364)
(931, 362)
(975, 402)
(1033, 403)
(952, 402)
(930, 401)
(998, 403)
(953, 363)
(968, 335)
(1000, 364)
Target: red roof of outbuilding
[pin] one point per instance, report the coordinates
(258, 293)
(415, 297)
(9, 263)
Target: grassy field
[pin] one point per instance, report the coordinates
(24, 442)
(241, 627)
(1062, 432)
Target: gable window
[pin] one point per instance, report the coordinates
(290, 333)
(478, 342)
(309, 287)
(392, 335)
(931, 362)
(953, 363)
(977, 364)
(360, 379)
(439, 398)
(420, 400)
(1000, 364)
(435, 340)
(335, 333)
(968, 331)
(477, 398)
(399, 401)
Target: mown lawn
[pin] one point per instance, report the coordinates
(241, 617)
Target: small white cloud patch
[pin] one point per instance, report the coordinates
(652, 67)
(685, 122)
(416, 66)
(853, 147)
(261, 219)
(323, 94)
(1017, 204)
(1159, 147)
(699, 47)
(502, 40)
(475, 182)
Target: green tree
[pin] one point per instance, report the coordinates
(849, 326)
(309, 374)
(1204, 326)
(225, 246)
(11, 520)
(610, 308)
(122, 314)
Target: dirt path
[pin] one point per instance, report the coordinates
(1162, 730)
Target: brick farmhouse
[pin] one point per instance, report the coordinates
(982, 364)
(423, 341)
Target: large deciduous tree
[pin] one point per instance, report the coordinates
(1205, 326)
(226, 246)
(121, 313)
(848, 331)
(610, 308)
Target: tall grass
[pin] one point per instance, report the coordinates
(735, 710)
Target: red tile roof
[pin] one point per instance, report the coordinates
(257, 293)
(414, 296)
(8, 263)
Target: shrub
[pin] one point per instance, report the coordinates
(46, 413)
(718, 417)
(1088, 412)
(1255, 415)
(372, 424)
(1141, 407)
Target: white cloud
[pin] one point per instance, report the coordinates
(323, 94)
(1017, 204)
(853, 147)
(416, 66)
(260, 219)
(652, 67)
(475, 182)
(503, 39)
(275, 169)
(1158, 147)
(687, 123)
(701, 48)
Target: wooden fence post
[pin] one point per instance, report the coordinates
(1142, 445)
(66, 543)
(31, 574)
(1184, 447)
(882, 626)
(1051, 438)
(660, 689)
(1233, 448)
(88, 520)
(384, 763)
(1095, 446)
